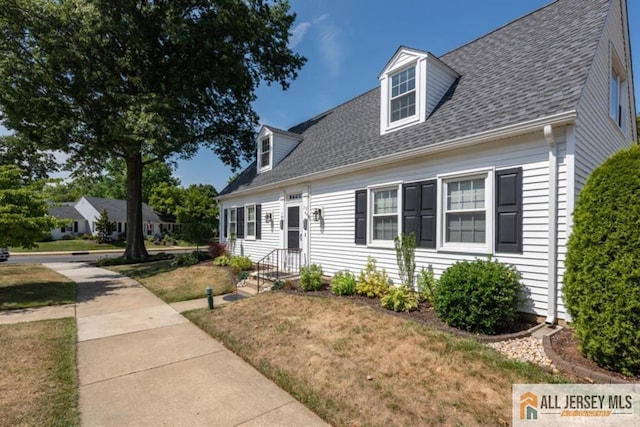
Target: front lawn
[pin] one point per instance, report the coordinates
(172, 284)
(29, 286)
(71, 245)
(354, 365)
(39, 379)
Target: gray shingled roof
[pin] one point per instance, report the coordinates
(117, 209)
(533, 67)
(66, 211)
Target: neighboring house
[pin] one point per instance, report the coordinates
(481, 151)
(84, 214)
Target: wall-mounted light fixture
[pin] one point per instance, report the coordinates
(317, 214)
(268, 217)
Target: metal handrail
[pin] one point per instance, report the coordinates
(276, 264)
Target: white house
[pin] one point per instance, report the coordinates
(479, 151)
(84, 214)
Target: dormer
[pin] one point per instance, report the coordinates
(273, 145)
(411, 85)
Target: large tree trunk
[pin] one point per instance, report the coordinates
(135, 236)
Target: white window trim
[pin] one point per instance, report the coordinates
(397, 185)
(617, 68)
(247, 236)
(262, 167)
(386, 125)
(485, 248)
(235, 228)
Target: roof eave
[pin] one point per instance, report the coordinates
(560, 119)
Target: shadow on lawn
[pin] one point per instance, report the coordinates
(30, 295)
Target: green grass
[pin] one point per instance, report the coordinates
(39, 380)
(173, 284)
(30, 286)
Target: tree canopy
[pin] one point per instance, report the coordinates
(141, 81)
(23, 153)
(23, 211)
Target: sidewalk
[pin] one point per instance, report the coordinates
(141, 363)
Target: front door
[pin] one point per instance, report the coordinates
(293, 227)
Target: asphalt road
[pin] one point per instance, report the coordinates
(42, 258)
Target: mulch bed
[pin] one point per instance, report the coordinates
(426, 315)
(565, 344)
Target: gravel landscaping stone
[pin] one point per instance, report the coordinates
(528, 349)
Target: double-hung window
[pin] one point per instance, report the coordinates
(384, 212)
(616, 98)
(465, 210)
(233, 221)
(403, 95)
(265, 152)
(250, 221)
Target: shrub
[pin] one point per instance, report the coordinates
(216, 249)
(372, 282)
(222, 260)
(243, 275)
(277, 285)
(311, 277)
(67, 237)
(343, 283)
(406, 258)
(400, 299)
(479, 296)
(241, 263)
(85, 236)
(426, 285)
(184, 260)
(602, 279)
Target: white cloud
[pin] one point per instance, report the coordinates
(297, 34)
(328, 41)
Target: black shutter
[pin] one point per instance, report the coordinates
(419, 201)
(225, 222)
(509, 210)
(258, 222)
(240, 223)
(361, 217)
(410, 203)
(426, 238)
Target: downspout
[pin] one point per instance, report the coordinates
(552, 300)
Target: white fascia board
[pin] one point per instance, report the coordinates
(560, 119)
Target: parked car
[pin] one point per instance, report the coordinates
(4, 254)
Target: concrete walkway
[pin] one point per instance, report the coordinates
(141, 363)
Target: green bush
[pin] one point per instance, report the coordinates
(479, 296)
(426, 285)
(311, 277)
(241, 263)
(343, 283)
(277, 285)
(67, 237)
(372, 282)
(222, 260)
(400, 299)
(184, 260)
(602, 279)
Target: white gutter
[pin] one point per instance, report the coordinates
(522, 128)
(552, 299)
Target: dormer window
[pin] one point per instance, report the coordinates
(265, 152)
(403, 94)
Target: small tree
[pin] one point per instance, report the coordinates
(23, 211)
(105, 227)
(406, 258)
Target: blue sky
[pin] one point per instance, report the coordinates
(348, 42)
